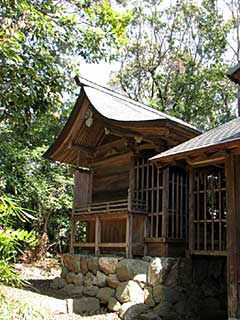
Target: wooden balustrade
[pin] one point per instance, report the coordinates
(131, 205)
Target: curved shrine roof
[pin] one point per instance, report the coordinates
(117, 112)
(118, 107)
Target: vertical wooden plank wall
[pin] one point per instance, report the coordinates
(232, 169)
(82, 194)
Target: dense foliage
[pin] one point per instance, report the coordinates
(176, 60)
(41, 43)
(13, 238)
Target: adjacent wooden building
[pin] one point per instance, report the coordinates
(212, 161)
(123, 203)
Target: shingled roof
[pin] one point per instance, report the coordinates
(223, 136)
(99, 112)
(118, 107)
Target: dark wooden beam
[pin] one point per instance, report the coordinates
(81, 147)
(232, 168)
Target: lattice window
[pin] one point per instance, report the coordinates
(178, 204)
(209, 209)
(149, 190)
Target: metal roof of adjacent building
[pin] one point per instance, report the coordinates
(224, 134)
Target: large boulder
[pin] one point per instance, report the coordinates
(158, 270)
(113, 304)
(132, 269)
(132, 311)
(112, 281)
(84, 264)
(108, 264)
(129, 291)
(104, 294)
(93, 264)
(101, 279)
(86, 304)
(71, 262)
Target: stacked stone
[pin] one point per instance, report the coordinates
(136, 289)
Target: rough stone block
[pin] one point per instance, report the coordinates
(149, 316)
(58, 283)
(112, 281)
(130, 291)
(148, 296)
(165, 310)
(68, 289)
(93, 264)
(159, 269)
(78, 279)
(172, 295)
(90, 280)
(71, 262)
(86, 304)
(104, 294)
(70, 277)
(130, 311)
(64, 271)
(77, 291)
(108, 264)
(114, 304)
(129, 269)
(101, 279)
(84, 264)
(90, 291)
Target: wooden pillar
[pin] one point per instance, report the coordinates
(97, 236)
(165, 203)
(232, 170)
(72, 232)
(129, 236)
(131, 185)
(191, 210)
(145, 235)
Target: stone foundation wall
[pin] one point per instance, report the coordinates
(148, 288)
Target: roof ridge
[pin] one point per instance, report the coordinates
(130, 100)
(123, 97)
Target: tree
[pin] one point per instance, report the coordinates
(174, 60)
(234, 39)
(40, 45)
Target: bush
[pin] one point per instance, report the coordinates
(15, 309)
(12, 239)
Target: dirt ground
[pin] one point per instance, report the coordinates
(39, 294)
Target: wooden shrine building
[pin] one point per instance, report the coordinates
(123, 204)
